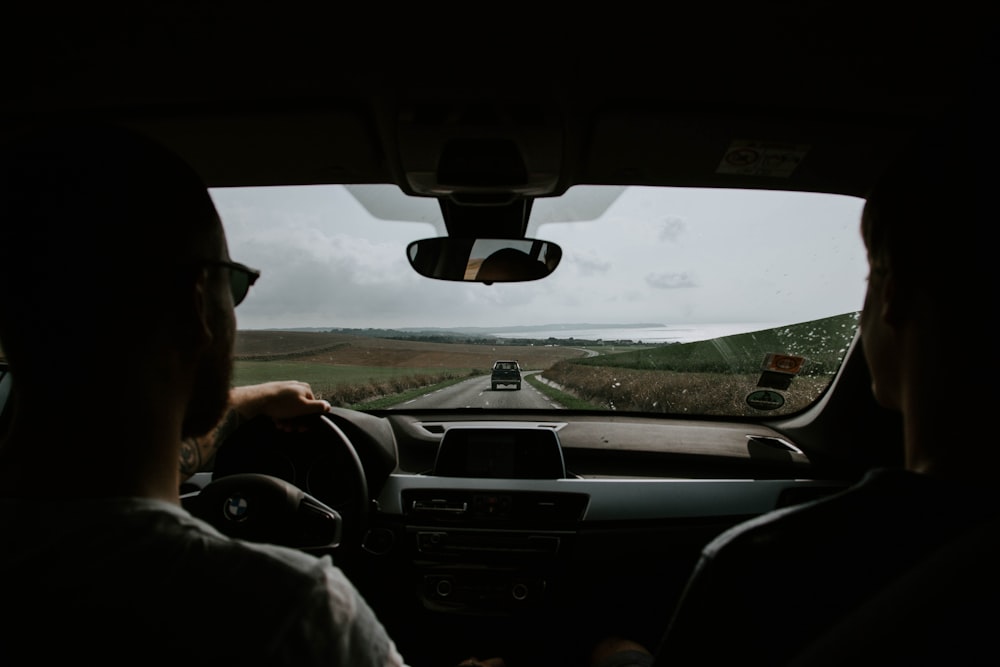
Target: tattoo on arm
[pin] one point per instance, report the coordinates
(225, 428)
(190, 457)
(197, 452)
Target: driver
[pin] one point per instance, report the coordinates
(116, 317)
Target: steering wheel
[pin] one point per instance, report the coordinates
(304, 488)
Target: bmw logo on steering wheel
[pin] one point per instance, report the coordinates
(235, 508)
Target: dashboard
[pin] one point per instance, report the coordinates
(470, 516)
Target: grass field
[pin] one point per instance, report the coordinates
(333, 348)
(353, 371)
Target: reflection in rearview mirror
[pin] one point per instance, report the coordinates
(484, 260)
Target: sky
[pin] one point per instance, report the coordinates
(335, 257)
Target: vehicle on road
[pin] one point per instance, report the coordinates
(505, 373)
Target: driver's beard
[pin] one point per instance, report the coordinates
(210, 397)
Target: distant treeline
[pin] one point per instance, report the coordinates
(459, 338)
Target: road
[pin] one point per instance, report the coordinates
(476, 393)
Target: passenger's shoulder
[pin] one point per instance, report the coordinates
(805, 523)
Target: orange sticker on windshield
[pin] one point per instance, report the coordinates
(783, 363)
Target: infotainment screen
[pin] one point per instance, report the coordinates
(512, 453)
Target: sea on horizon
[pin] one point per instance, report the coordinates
(680, 333)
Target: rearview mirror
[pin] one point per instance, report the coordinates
(483, 260)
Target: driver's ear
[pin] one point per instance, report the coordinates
(194, 317)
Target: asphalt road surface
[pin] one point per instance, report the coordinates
(476, 393)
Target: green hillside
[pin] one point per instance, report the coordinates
(822, 342)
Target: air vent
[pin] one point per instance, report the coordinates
(438, 428)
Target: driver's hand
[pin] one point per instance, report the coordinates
(283, 401)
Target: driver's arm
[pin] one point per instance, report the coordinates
(282, 401)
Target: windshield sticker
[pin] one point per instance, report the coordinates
(765, 400)
(783, 363)
(778, 370)
(761, 158)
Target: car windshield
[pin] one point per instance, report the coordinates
(667, 300)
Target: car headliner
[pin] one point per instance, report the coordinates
(287, 97)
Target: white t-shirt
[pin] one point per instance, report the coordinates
(139, 581)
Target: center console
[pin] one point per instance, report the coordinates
(484, 548)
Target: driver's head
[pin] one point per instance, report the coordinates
(104, 239)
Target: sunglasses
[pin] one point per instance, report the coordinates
(241, 277)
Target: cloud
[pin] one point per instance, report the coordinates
(670, 280)
(672, 228)
(589, 263)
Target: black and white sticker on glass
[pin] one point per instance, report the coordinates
(764, 399)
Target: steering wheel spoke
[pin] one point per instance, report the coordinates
(305, 489)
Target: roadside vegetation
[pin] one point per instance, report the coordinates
(709, 377)
(388, 399)
(359, 387)
(558, 395)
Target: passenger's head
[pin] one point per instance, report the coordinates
(930, 269)
(105, 244)
(921, 196)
